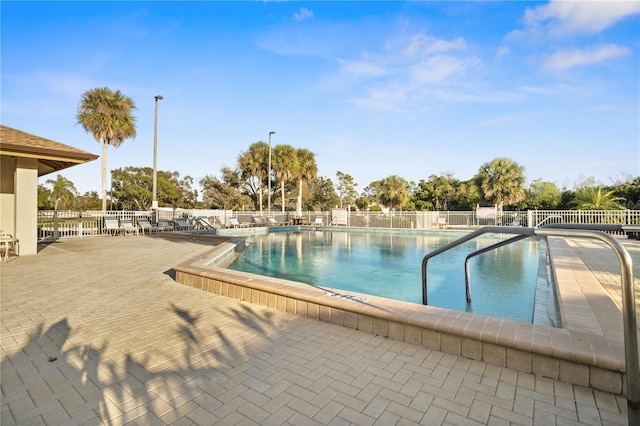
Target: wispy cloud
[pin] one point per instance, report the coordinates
(407, 70)
(302, 14)
(566, 59)
(562, 18)
(499, 120)
(423, 44)
(360, 68)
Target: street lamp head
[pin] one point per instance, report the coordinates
(272, 133)
(159, 97)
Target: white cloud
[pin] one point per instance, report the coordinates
(436, 69)
(302, 14)
(566, 59)
(502, 52)
(363, 69)
(422, 44)
(562, 18)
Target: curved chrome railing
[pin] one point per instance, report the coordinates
(628, 291)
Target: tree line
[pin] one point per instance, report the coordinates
(294, 181)
(498, 182)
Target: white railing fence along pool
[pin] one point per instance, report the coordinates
(78, 224)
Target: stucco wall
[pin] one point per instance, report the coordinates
(26, 204)
(7, 199)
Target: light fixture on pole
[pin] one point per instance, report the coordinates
(269, 173)
(154, 201)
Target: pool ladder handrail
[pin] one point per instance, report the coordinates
(632, 368)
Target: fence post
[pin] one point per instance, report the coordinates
(80, 224)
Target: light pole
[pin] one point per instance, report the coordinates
(154, 201)
(269, 173)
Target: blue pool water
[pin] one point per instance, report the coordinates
(503, 281)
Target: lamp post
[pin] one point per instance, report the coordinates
(269, 173)
(154, 201)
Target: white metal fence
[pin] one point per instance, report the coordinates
(78, 224)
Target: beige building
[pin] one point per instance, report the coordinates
(23, 158)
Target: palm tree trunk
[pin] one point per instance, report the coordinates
(104, 175)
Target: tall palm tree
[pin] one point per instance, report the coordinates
(393, 192)
(284, 165)
(307, 169)
(255, 162)
(107, 116)
(501, 181)
(597, 199)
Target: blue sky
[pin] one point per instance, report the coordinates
(372, 88)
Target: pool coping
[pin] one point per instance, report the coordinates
(571, 355)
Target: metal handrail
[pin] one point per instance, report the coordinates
(628, 291)
(467, 269)
(548, 218)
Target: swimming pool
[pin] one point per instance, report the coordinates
(389, 265)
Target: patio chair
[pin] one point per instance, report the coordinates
(441, 223)
(111, 226)
(233, 221)
(8, 244)
(126, 226)
(259, 221)
(319, 221)
(164, 225)
(145, 225)
(182, 225)
(516, 222)
(273, 222)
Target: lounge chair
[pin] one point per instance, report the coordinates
(111, 226)
(145, 225)
(126, 226)
(516, 222)
(182, 225)
(259, 221)
(164, 225)
(319, 221)
(271, 221)
(204, 223)
(233, 221)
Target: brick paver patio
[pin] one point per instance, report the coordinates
(95, 331)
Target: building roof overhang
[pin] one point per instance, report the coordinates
(52, 156)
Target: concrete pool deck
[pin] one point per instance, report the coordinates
(97, 331)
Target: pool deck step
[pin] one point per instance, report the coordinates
(585, 305)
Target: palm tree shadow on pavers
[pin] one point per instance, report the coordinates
(42, 369)
(154, 387)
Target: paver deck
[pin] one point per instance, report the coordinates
(96, 331)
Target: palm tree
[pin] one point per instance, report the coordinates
(284, 165)
(255, 162)
(501, 181)
(107, 116)
(307, 169)
(62, 189)
(393, 192)
(597, 199)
